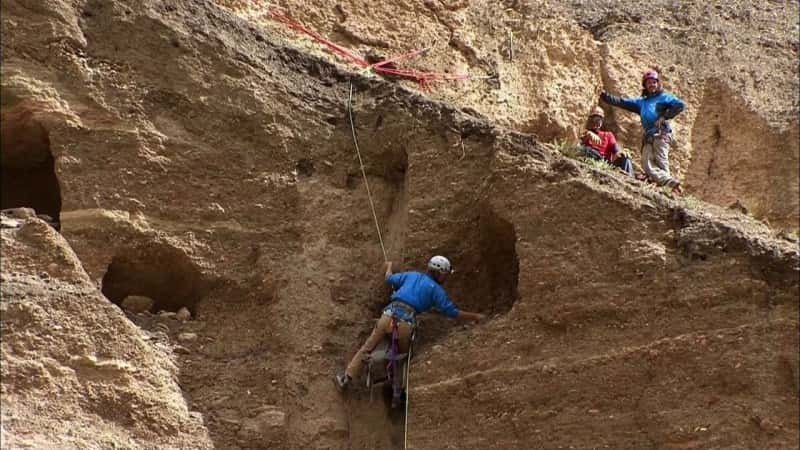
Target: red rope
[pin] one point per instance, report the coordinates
(423, 78)
(360, 61)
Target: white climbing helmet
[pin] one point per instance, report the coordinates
(439, 264)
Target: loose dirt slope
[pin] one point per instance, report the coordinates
(76, 373)
(211, 166)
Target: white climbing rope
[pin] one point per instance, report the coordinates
(363, 172)
(380, 238)
(408, 386)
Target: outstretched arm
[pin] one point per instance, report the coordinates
(630, 104)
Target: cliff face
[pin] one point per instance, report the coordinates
(205, 162)
(77, 373)
(734, 63)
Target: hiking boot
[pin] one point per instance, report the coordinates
(341, 380)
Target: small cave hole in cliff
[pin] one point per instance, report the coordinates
(161, 273)
(396, 166)
(487, 272)
(305, 168)
(26, 164)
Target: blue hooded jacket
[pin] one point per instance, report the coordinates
(421, 292)
(649, 107)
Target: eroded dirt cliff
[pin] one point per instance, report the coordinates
(207, 162)
(76, 373)
(733, 62)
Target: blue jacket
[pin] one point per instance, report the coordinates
(421, 292)
(650, 107)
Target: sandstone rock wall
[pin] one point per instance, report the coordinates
(207, 162)
(77, 373)
(551, 59)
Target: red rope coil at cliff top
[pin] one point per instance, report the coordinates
(422, 78)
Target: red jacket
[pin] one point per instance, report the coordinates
(607, 146)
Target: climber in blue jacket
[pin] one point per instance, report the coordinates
(655, 108)
(414, 293)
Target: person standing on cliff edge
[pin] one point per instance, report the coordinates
(655, 108)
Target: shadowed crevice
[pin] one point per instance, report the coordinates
(27, 166)
(162, 273)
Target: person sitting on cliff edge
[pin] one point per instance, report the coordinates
(601, 145)
(414, 293)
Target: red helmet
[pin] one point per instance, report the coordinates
(649, 74)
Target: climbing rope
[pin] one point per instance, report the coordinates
(397, 386)
(386, 66)
(408, 386)
(317, 37)
(363, 172)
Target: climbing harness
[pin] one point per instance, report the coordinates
(408, 385)
(398, 380)
(391, 367)
(385, 363)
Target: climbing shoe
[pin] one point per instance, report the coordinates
(341, 380)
